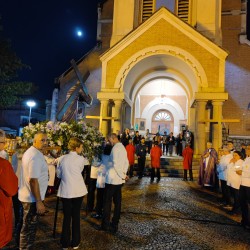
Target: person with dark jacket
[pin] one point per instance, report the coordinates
(141, 152)
(125, 137)
(171, 143)
(136, 139)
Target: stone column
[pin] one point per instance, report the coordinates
(199, 134)
(191, 120)
(103, 125)
(116, 112)
(217, 128)
(207, 125)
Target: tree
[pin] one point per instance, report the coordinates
(10, 88)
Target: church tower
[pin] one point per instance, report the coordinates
(203, 15)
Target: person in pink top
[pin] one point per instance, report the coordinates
(155, 154)
(130, 148)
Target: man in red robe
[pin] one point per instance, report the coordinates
(8, 188)
(130, 148)
(187, 162)
(155, 154)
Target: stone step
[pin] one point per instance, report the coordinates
(170, 166)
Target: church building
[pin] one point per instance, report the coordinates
(163, 65)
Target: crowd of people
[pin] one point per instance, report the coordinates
(109, 171)
(231, 173)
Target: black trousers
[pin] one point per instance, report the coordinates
(245, 204)
(100, 200)
(236, 198)
(225, 189)
(141, 165)
(112, 192)
(91, 194)
(164, 148)
(130, 170)
(18, 212)
(190, 174)
(149, 146)
(17, 206)
(158, 174)
(71, 213)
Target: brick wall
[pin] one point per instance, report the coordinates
(237, 71)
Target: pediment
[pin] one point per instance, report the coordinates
(165, 16)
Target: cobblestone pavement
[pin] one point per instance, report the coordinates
(171, 214)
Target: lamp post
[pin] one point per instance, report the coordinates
(30, 104)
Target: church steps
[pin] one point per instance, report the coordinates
(170, 166)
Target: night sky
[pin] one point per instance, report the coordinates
(44, 35)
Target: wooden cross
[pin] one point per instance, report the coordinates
(219, 122)
(100, 118)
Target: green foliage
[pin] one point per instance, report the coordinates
(10, 64)
(10, 91)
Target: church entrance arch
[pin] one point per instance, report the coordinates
(157, 78)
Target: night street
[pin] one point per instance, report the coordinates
(171, 214)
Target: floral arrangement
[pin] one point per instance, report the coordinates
(59, 134)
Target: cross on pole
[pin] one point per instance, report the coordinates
(100, 118)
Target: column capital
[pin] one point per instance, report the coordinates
(217, 102)
(118, 101)
(103, 100)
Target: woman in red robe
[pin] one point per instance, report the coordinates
(8, 188)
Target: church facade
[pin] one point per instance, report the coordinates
(163, 65)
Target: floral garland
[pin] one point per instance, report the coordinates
(59, 134)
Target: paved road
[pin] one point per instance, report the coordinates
(171, 214)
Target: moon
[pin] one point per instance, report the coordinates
(79, 33)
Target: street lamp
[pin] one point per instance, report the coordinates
(31, 104)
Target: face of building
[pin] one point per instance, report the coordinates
(163, 67)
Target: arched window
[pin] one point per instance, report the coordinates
(162, 116)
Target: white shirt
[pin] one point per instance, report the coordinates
(233, 179)
(222, 166)
(245, 178)
(33, 166)
(96, 163)
(69, 170)
(116, 173)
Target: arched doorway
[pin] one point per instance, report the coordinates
(161, 96)
(162, 121)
